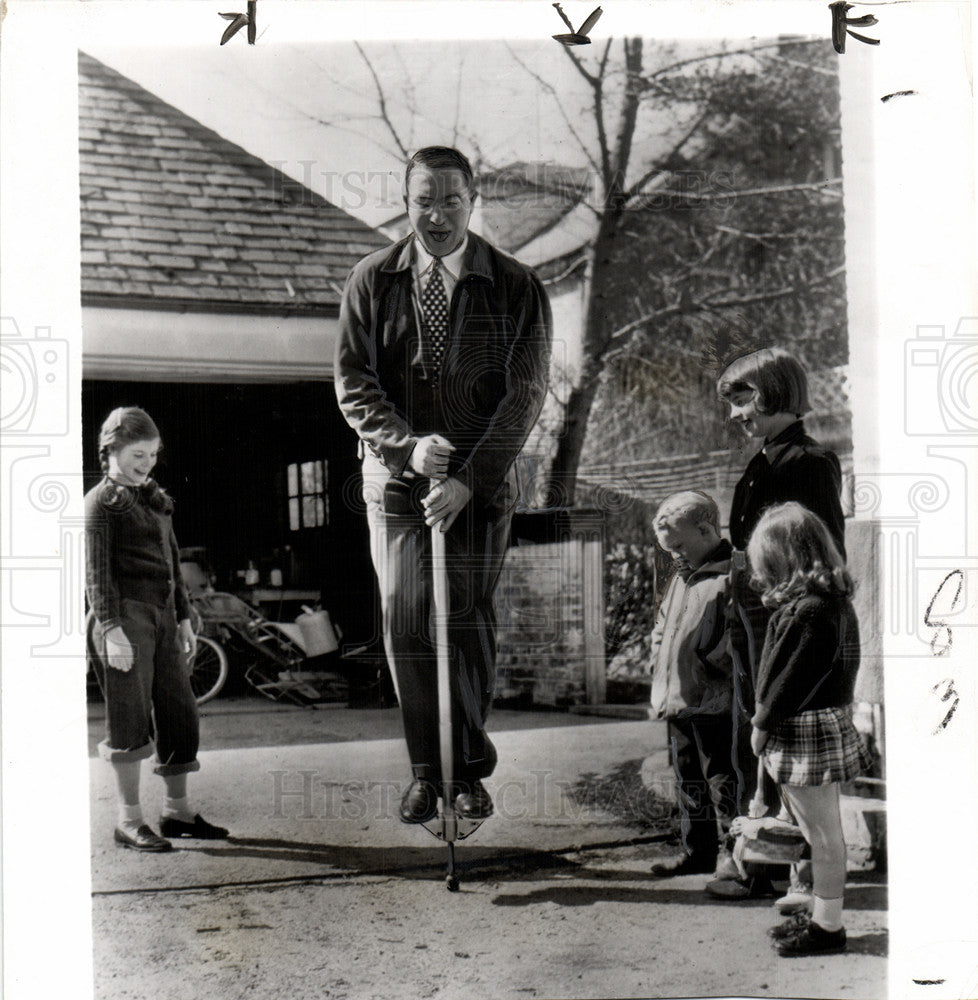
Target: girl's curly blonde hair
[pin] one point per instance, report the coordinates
(792, 554)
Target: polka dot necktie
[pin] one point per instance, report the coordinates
(434, 304)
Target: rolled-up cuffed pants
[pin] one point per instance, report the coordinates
(153, 701)
(475, 546)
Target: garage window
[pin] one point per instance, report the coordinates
(308, 502)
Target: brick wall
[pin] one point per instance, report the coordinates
(550, 609)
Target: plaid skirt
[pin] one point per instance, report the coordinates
(816, 748)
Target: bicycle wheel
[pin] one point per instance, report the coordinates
(210, 669)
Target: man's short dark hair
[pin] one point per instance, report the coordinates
(441, 158)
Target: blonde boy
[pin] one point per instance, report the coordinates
(691, 678)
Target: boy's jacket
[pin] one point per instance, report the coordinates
(691, 662)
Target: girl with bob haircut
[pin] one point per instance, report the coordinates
(140, 640)
(767, 392)
(776, 376)
(802, 723)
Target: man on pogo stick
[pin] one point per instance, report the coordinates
(441, 369)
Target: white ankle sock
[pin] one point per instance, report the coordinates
(827, 913)
(178, 809)
(130, 817)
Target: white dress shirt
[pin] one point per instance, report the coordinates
(450, 271)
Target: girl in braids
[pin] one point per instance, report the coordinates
(140, 639)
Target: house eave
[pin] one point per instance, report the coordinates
(181, 305)
(198, 345)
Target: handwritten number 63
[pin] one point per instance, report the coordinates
(940, 642)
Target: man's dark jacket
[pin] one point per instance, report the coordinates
(493, 377)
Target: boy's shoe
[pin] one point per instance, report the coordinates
(798, 899)
(793, 925)
(687, 864)
(813, 940)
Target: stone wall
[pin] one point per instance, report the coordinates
(550, 609)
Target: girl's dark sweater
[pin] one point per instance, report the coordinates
(809, 661)
(131, 551)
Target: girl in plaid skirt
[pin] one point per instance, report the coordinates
(802, 725)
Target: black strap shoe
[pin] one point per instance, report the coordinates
(142, 840)
(199, 828)
(789, 927)
(474, 802)
(420, 802)
(813, 939)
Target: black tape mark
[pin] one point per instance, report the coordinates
(928, 982)
(580, 35)
(239, 21)
(899, 93)
(842, 26)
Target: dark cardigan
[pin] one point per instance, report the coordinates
(131, 551)
(791, 466)
(809, 661)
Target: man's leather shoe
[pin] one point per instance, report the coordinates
(420, 802)
(474, 802)
(170, 826)
(142, 840)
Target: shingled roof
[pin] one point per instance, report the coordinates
(175, 216)
(523, 201)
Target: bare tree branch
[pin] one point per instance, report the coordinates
(774, 57)
(458, 100)
(689, 266)
(682, 63)
(657, 169)
(579, 66)
(382, 102)
(708, 305)
(762, 237)
(598, 96)
(604, 58)
(550, 89)
(820, 186)
(410, 93)
(627, 119)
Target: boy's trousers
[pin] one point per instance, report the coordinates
(703, 752)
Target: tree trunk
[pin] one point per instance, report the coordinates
(597, 325)
(562, 481)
